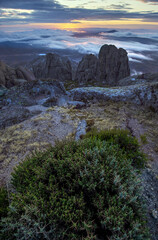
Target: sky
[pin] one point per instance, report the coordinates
(77, 15)
(82, 26)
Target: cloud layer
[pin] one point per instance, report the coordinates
(138, 42)
(50, 11)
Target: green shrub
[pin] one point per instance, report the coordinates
(3, 202)
(79, 190)
(126, 142)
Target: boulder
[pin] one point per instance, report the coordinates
(11, 115)
(87, 70)
(113, 64)
(53, 66)
(50, 87)
(23, 73)
(3, 91)
(7, 75)
(141, 94)
(76, 104)
(50, 102)
(19, 82)
(139, 79)
(81, 130)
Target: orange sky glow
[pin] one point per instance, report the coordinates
(76, 25)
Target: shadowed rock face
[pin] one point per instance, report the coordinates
(9, 76)
(111, 66)
(23, 73)
(87, 69)
(53, 66)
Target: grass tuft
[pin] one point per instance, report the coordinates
(143, 139)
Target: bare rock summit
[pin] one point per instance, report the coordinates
(113, 64)
(53, 66)
(87, 69)
(110, 66)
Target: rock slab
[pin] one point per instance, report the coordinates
(141, 94)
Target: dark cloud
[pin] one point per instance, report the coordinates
(50, 11)
(149, 1)
(120, 6)
(31, 4)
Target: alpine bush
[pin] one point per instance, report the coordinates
(126, 142)
(79, 190)
(3, 202)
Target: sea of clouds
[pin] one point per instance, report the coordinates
(136, 42)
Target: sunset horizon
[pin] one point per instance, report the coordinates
(80, 27)
(74, 15)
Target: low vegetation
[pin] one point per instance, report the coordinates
(4, 203)
(79, 190)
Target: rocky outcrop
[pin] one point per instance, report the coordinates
(111, 66)
(139, 79)
(3, 91)
(87, 70)
(141, 94)
(53, 66)
(23, 73)
(31, 93)
(9, 76)
(12, 115)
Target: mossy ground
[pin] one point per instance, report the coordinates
(20, 140)
(111, 115)
(42, 130)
